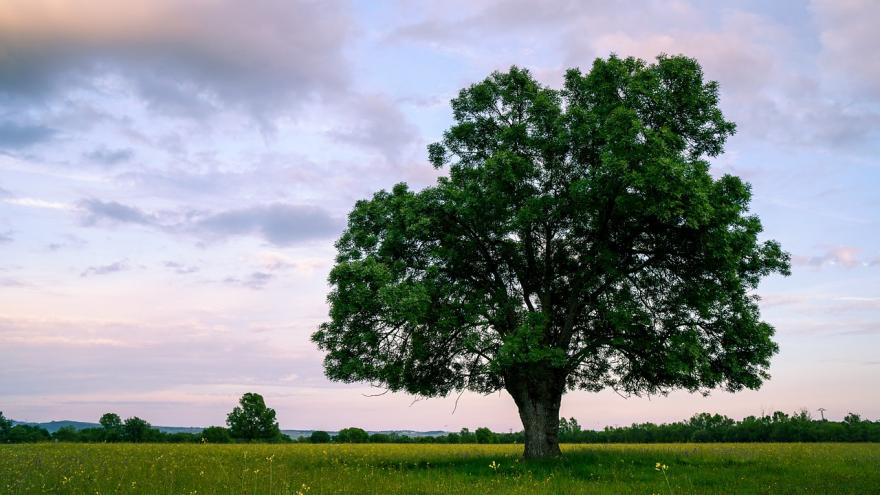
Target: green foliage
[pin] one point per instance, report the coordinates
(252, 420)
(466, 436)
(380, 438)
(578, 242)
(27, 434)
(66, 434)
(112, 424)
(110, 421)
(442, 469)
(484, 435)
(569, 429)
(215, 434)
(352, 435)
(5, 426)
(319, 437)
(135, 429)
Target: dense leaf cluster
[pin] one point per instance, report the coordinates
(252, 420)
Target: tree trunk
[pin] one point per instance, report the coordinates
(538, 402)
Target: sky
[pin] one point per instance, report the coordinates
(173, 175)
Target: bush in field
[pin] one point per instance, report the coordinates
(352, 435)
(569, 430)
(252, 420)
(66, 434)
(112, 425)
(319, 437)
(380, 438)
(176, 437)
(466, 436)
(27, 434)
(215, 434)
(484, 435)
(136, 430)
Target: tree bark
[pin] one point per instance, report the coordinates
(538, 399)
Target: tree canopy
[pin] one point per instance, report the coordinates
(135, 429)
(252, 420)
(578, 241)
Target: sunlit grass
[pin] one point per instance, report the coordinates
(453, 469)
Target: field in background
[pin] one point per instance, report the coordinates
(448, 469)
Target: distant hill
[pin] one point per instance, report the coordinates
(53, 426)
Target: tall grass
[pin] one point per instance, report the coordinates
(449, 469)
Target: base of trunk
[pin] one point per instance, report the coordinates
(541, 448)
(538, 403)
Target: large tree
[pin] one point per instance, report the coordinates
(578, 242)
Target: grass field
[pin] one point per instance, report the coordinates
(448, 469)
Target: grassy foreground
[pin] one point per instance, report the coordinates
(448, 469)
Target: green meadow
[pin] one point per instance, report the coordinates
(454, 469)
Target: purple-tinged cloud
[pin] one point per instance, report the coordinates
(377, 123)
(181, 57)
(102, 212)
(14, 135)
(6, 236)
(848, 34)
(12, 282)
(115, 267)
(255, 280)
(280, 224)
(180, 268)
(843, 256)
(67, 241)
(109, 157)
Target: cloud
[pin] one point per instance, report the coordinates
(767, 77)
(180, 268)
(278, 223)
(118, 266)
(69, 241)
(15, 136)
(99, 212)
(12, 282)
(109, 157)
(50, 354)
(255, 280)
(844, 256)
(848, 33)
(461, 22)
(6, 236)
(37, 203)
(379, 124)
(181, 57)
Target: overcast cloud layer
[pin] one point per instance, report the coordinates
(173, 176)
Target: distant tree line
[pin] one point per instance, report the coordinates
(252, 421)
(705, 427)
